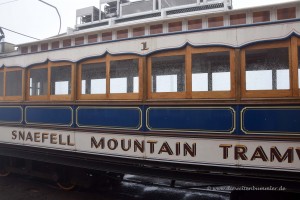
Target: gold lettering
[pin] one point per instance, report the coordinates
(60, 139)
(188, 149)
(112, 144)
(44, 137)
(289, 154)
(53, 138)
(69, 141)
(29, 137)
(239, 152)
(123, 145)
(37, 137)
(259, 153)
(138, 145)
(225, 149)
(14, 135)
(96, 144)
(165, 148)
(151, 142)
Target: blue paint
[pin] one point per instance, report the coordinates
(11, 114)
(191, 119)
(49, 115)
(109, 117)
(271, 120)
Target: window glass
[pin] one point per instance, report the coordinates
(122, 34)
(24, 50)
(238, 19)
(139, 31)
(14, 83)
(156, 29)
(1, 83)
(92, 38)
(124, 76)
(211, 71)
(34, 48)
(267, 69)
(44, 46)
(61, 80)
(55, 45)
(175, 26)
(168, 74)
(67, 43)
(106, 36)
(286, 13)
(261, 16)
(79, 40)
(38, 82)
(215, 22)
(194, 24)
(93, 78)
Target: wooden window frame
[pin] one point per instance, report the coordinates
(265, 93)
(40, 97)
(108, 96)
(213, 94)
(2, 97)
(125, 96)
(168, 95)
(14, 98)
(295, 45)
(81, 96)
(69, 97)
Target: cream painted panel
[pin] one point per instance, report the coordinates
(252, 34)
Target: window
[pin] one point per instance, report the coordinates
(286, 13)
(140, 31)
(13, 83)
(79, 41)
(124, 76)
(215, 22)
(67, 43)
(238, 19)
(24, 50)
(194, 24)
(44, 46)
(175, 26)
(122, 34)
(262, 16)
(38, 82)
(267, 69)
(93, 78)
(156, 29)
(61, 80)
(34, 48)
(168, 74)
(211, 71)
(93, 38)
(55, 45)
(1, 83)
(107, 36)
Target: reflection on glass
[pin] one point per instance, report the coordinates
(168, 74)
(61, 80)
(1, 83)
(124, 76)
(14, 83)
(38, 82)
(211, 71)
(267, 69)
(93, 78)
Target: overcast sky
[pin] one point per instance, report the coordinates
(38, 20)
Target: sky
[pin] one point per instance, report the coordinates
(33, 18)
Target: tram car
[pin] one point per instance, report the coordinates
(190, 90)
